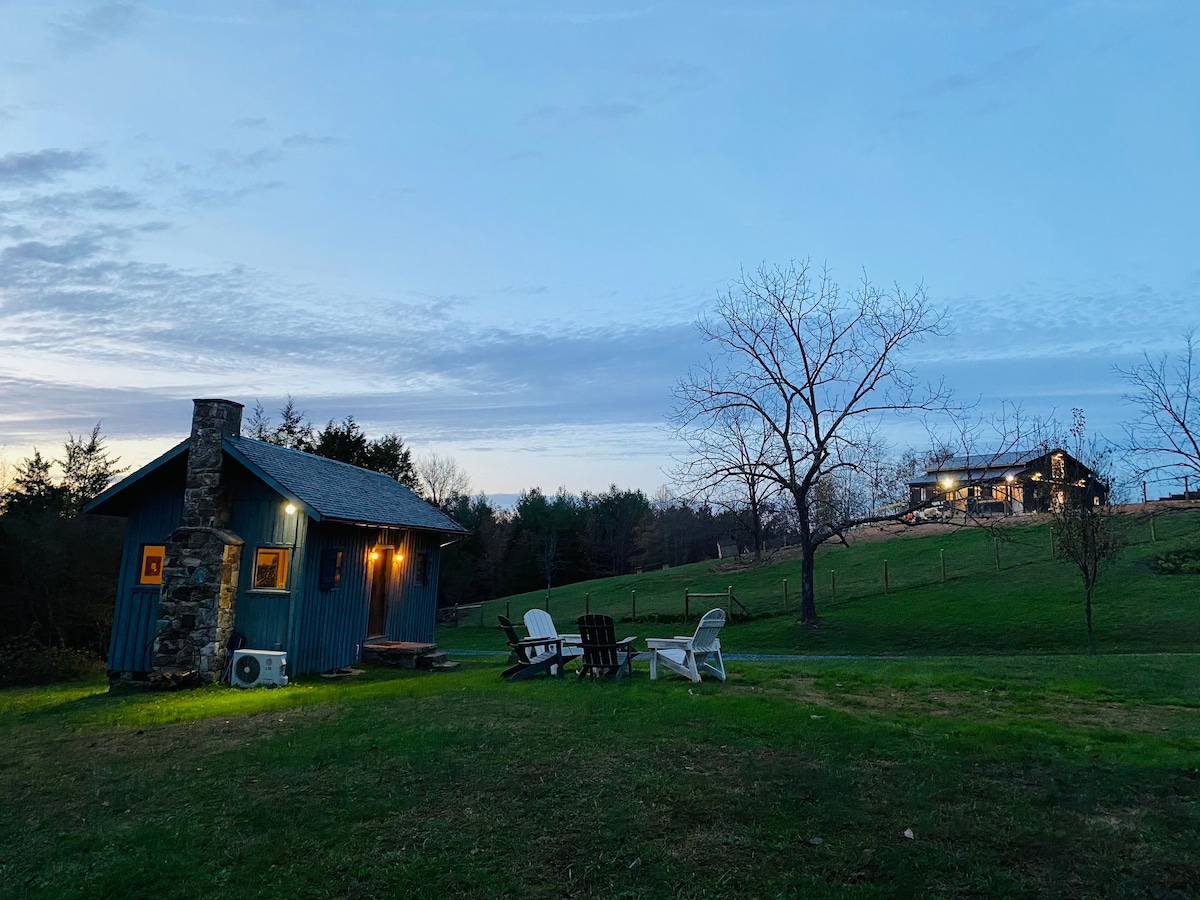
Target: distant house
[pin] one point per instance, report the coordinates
(1009, 483)
(292, 551)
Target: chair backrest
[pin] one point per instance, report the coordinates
(710, 626)
(539, 624)
(510, 633)
(598, 638)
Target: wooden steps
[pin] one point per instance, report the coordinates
(408, 655)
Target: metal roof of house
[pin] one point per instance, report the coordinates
(335, 490)
(982, 461)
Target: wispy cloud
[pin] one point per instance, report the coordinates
(78, 32)
(304, 139)
(40, 166)
(999, 69)
(252, 122)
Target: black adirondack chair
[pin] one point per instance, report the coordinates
(534, 656)
(603, 655)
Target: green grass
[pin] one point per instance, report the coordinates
(1032, 604)
(1058, 776)
(1023, 766)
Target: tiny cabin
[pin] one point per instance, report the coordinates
(288, 550)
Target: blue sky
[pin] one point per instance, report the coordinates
(490, 226)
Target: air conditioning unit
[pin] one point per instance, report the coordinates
(252, 668)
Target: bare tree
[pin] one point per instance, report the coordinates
(729, 468)
(818, 368)
(1088, 533)
(1165, 432)
(442, 479)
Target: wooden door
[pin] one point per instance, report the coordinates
(381, 569)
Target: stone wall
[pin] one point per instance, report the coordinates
(200, 572)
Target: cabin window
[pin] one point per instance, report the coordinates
(270, 568)
(331, 568)
(150, 567)
(422, 570)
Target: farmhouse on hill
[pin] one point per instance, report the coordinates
(292, 551)
(1011, 483)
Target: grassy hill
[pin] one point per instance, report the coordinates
(1008, 765)
(1031, 604)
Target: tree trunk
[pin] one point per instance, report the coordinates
(1087, 607)
(808, 602)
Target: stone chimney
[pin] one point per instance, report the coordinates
(200, 572)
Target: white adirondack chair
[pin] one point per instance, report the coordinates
(539, 625)
(690, 656)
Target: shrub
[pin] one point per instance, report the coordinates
(26, 661)
(1179, 562)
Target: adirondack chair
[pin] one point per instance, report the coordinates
(690, 656)
(539, 625)
(533, 656)
(603, 655)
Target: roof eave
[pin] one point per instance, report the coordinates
(130, 480)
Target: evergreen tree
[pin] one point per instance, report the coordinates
(87, 469)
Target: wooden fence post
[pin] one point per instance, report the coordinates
(885, 576)
(942, 553)
(508, 610)
(832, 586)
(587, 602)
(1153, 533)
(1052, 542)
(785, 597)
(996, 541)
(633, 598)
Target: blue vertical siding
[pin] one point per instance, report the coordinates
(136, 613)
(332, 625)
(263, 617)
(412, 609)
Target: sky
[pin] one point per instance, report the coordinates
(490, 227)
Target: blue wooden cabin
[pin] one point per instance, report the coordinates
(330, 555)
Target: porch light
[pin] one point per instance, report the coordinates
(374, 554)
(1008, 478)
(947, 483)
(399, 557)
(290, 509)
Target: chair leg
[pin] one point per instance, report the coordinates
(653, 665)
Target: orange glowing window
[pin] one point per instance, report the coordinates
(270, 568)
(150, 567)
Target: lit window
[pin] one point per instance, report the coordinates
(150, 570)
(270, 568)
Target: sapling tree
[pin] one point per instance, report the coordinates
(1088, 533)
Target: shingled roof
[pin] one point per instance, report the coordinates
(338, 491)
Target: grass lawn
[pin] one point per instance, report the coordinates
(1020, 766)
(1056, 776)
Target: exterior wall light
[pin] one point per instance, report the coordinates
(290, 509)
(374, 554)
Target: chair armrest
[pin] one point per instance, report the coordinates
(667, 643)
(628, 640)
(537, 642)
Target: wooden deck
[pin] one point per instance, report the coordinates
(407, 655)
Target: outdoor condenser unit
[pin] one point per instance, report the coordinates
(252, 668)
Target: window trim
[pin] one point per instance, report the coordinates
(284, 569)
(141, 565)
